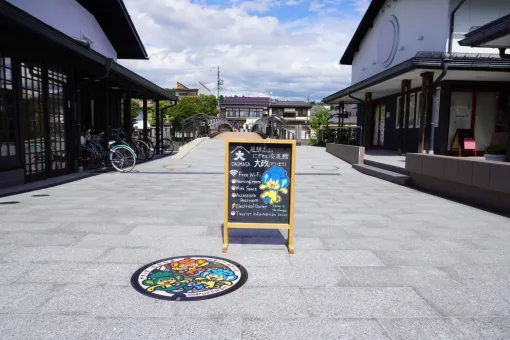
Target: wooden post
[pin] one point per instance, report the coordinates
(145, 118)
(429, 101)
(401, 114)
(406, 113)
(367, 119)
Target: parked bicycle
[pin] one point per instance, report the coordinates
(141, 148)
(118, 155)
(164, 147)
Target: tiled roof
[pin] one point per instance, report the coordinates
(261, 101)
(290, 103)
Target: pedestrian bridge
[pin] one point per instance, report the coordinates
(237, 135)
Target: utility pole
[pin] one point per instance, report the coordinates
(219, 80)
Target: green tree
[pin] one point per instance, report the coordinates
(136, 108)
(321, 116)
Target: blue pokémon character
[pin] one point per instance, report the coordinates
(274, 181)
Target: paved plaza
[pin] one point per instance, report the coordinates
(373, 260)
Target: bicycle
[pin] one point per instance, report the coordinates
(119, 155)
(141, 148)
(165, 147)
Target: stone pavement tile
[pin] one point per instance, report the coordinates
(344, 258)
(142, 256)
(258, 257)
(398, 277)
(497, 328)
(150, 240)
(92, 274)
(434, 258)
(31, 327)
(6, 249)
(166, 230)
(468, 301)
(492, 257)
(100, 227)
(479, 275)
(24, 298)
(277, 243)
(297, 276)
(310, 329)
(24, 227)
(366, 302)
(428, 329)
(55, 253)
(369, 243)
(40, 239)
(11, 272)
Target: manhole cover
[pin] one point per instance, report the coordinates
(325, 167)
(10, 202)
(176, 166)
(40, 195)
(189, 278)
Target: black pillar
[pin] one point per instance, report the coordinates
(158, 124)
(367, 119)
(145, 118)
(73, 138)
(106, 112)
(128, 123)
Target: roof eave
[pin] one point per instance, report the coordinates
(489, 32)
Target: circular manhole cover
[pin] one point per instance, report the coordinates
(325, 167)
(40, 195)
(188, 278)
(10, 202)
(176, 166)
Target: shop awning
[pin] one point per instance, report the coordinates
(495, 34)
(461, 66)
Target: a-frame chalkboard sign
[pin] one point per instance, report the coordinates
(259, 186)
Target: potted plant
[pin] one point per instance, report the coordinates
(495, 153)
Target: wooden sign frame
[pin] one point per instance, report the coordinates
(290, 226)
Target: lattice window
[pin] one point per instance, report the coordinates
(8, 119)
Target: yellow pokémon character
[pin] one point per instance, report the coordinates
(274, 181)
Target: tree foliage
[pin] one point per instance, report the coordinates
(136, 108)
(321, 116)
(187, 107)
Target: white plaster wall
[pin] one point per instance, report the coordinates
(416, 18)
(476, 13)
(202, 89)
(69, 17)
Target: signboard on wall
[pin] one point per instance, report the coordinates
(259, 186)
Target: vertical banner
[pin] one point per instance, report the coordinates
(259, 186)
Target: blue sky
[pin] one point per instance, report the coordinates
(290, 48)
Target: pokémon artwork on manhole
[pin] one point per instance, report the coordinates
(188, 278)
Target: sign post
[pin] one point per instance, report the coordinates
(259, 186)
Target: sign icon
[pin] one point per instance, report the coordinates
(234, 194)
(239, 156)
(234, 181)
(234, 188)
(233, 205)
(234, 172)
(233, 213)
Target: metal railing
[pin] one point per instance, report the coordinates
(349, 135)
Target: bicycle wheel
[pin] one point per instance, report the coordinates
(90, 159)
(143, 149)
(123, 159)
(152, 149)
(167, 146)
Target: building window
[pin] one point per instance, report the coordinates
(397, 123)
(418, 110)
(412, 110)
(8, 126)
(438, 105)
(302, 112)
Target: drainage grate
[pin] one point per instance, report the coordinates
(325, 167)
(10, 202)
(171, 167)
(40, 195)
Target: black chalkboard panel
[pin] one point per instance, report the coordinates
(259, 182)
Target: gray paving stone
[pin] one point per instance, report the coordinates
(398, 277)
(166, 230)
(23, 297)
(436, 258)
(428, 329)
(359, 329)
(11, 272)
(497, 328)
(357, 302)
(468, 301)
(297, 276)
(99, 228)
(40, 239)
(141, 256)
(479, 275)
(55, 254)
(345, 258)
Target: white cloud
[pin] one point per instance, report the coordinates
(260, 54)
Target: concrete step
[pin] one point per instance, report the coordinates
(384, 166)
(386, 175)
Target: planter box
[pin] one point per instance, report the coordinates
(495, 158)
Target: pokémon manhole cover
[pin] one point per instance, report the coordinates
(325, 167)
(40, 195)
(176, 166)
(189, 278)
